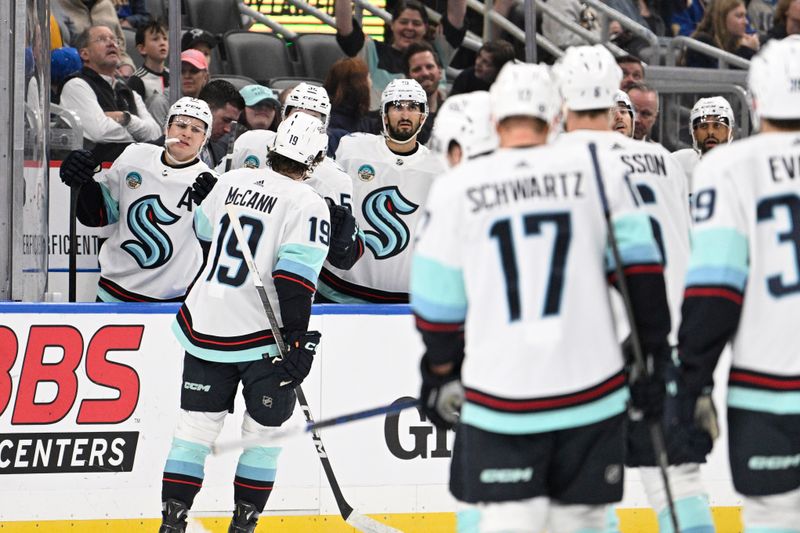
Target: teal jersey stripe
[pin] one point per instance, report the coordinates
(523, 423)
(338, 297)
(636, 255)
(184, 467)
(202, 226)
(437, 291)
(106, 296)
(719, 248)
(220, 356)
(112, 206)
(635, 241)
(694, 516)
(705, 276)
(305, 255)
(299, 269)
(775, 402)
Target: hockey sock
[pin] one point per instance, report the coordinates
(183, 473)
(694, 516)
(255, 475)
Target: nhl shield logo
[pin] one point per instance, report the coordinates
(133, 179)
(366, 172)
(267, 401)
(251, 161)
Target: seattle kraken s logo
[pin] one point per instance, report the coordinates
(382, 209)
(154, 247)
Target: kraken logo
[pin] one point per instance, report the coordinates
(382, 209)
(153, 247)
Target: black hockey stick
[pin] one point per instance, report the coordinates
(350, 515)
(231, 143)
(394, 407)
(656, 435)
(74, 191)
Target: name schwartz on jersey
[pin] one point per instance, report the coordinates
(548, 186)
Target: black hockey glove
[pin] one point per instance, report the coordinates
(202, 186)
(691, 423)
(344, 228)
(78, 168)
(647, 394)
(296, 364)
(441, 396)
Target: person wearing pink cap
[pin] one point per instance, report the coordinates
(194, 72)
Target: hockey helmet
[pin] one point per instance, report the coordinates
(774, 80)
(301, 138)
(191, 107)
(310, 97)
(623, 101)
(525, 89)
(465, 119)
(404, 90)
(588, 77)
(715, 106)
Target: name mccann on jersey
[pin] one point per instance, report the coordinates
(552, 186)
(252, 199)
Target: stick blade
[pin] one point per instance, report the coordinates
(366, 524)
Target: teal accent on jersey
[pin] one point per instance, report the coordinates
(468, 521)
(186, 457)
(694, 516)
(105, 296)
(719, 257)
(557, 419)
(338, 297)
(202, 225)
(777, 403)
(219, 356)
(259, 463)
(634, 234)
(302, 260)
(437, 291)
(112, 206)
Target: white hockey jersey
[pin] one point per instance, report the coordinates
(287, 227)
(389, 194)
(514, 245)
(746, 255)
(152, 254)
(687, 158)
(663, 188)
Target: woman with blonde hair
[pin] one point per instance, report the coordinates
(724, 26)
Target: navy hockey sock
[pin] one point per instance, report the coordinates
(183, 473)
(255, 475)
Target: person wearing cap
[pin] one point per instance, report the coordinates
(199, 39)
(64, 62)
(194, 72)
(262, 108)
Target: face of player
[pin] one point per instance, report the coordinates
(403, 119)
(631, 73)
(407, 28)
(736, 21)
(710, 132)
(646, 105)
(423, 68)
(192, 79)
(155, 47)
(260, 116)
(621, 120)
(190, 132)
(222, 121)
(484, 67)
(102, 51)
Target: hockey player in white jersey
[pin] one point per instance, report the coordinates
(148, 195)
(623, 114)
(391, 175)
(587, 75)
(711, 123)
(327, 178)
(510, 291)
(463, 129)
(224, 329)
(742, 286)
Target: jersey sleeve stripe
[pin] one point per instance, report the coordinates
(301, 259)
(634, 235)
(716, 276)
(202, 226)
(287, 276)
(112, 206)
(435, 327)
(298, 269)
(437, 291)
(719, 257)
(764, 381)
(713, 292)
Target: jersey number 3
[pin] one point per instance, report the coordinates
(532, 224)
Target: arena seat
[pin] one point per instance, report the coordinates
(317, 52)
(237, 81)
(260, 56)
(130, 47)
(279, 84)
(214, 16)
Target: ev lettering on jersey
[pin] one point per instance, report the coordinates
(506, 475)
(152, 248)
(645, 164)
(545, 187)
(784, 168)
(252, 199)
(46, 390)
(383, 208)
(420, 436)
(773, 462)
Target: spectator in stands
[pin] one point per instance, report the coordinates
(632, 71)
(132, 13)
(76, 16)
(648, 10)
(112, 115)
(125, 68)
(64, 62)
(761, 14)
(479, 77)
(422, 65)
(409, 25)
(226, 105)
(787, 19)
(199, 39)
(725, 27)
(262, 109)
(151, 80)
(194, 72)
(645, 101)
(348, 85)
(575, 12)
(685, 21)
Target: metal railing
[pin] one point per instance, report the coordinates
(513, 30)
(607, 14)
(276, 27)
(70, 138)
(726, 59)
(579, 30)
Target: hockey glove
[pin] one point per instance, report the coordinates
(203, 185)
(343, 228)
(691, 424)
(296, 364)
(441, 396)
(78, 168)
(647, 392)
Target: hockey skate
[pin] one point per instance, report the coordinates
(244, 518)
(173, 516)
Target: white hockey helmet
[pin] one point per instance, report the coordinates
(588, 77)
(774, 80)
(466, 120)
(301, 138)
(714, 106)
(310, 97)
(404, 90)
(525, 89)
(623, 101)
(191, 107)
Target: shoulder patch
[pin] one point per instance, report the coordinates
(366, 172)
(133, 180)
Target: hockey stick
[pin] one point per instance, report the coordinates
(74, 191)
(231, 143)
(394, 407)
(656, 435)
(350, 515)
